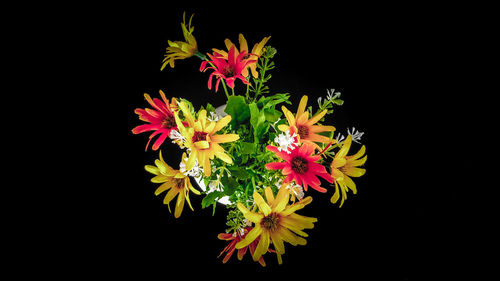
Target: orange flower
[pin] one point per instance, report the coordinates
(304, 127)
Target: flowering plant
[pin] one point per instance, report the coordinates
(253, 154)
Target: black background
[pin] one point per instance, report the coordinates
(395, 227)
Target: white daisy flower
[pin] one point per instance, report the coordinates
(286, 142)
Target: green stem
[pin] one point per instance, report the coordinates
(225, 89)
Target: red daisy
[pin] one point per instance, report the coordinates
(235, 238)
(300, 165)
(229, 69)
(161, 119)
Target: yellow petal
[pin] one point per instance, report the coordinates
(358, 154)
(278, 243)
(179, 205)
(262, 247)
(243, 43)
(152, 169)
(251, 236)
(302, 105)
(355, 172)
(221, 123)
(317, 117)
(164, 186)
(283, 127)
(202, 145)
(288, 115)
(291, 238)
(269, 195)
(263, 207)
(170, 195)
(225, 138)
(224, 157)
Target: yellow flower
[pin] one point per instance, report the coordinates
(304, 127)
(173, 180)
(257, 51)
(180, 49)
(276, 222)
(201, 138)
(343, 167)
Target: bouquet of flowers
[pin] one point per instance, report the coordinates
(253, 154)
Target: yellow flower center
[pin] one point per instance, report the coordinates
(303, 131)
(299, 165)
(270, 222)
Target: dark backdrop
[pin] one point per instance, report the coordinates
(370, 54)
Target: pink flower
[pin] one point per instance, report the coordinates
(229, 69)
(300, 166)
(161, 119)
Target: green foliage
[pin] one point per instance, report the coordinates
(238, 109)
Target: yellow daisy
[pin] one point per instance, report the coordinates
(304, 127)
(343, 167)
(257, 51)
(201, 139)
(173, 180)
(181, 49)
(275, 222)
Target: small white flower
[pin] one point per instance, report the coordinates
(286, 142)
(196, 171)
(296, 189)
(356, 135)
(214, 117)
(331, 94)
(177, 137)
(340, 137)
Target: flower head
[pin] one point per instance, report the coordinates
(287, 142)
(202, 140)
(343, 167)
(300, 166)
(176, 182)
(229, 68)
(257, 51)
(236, 238)
(276, 222)
(181, 49)
(161, 119)
(304, 126)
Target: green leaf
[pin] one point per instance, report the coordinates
(238, 109)
(229, 184)
(211, 198)
(258, 122)
(238, 172)
(272, 115)
(247, 147)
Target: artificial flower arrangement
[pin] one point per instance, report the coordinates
(246, 155)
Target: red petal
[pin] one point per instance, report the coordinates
(275, 165)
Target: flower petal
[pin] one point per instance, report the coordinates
(251, 236)
(262, 247)
(263, 207)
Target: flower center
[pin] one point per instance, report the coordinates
(179, 183)
(299, 165)
(270, 222)
(199, 136)
(228, 71)
(168, 122)
(303, 131)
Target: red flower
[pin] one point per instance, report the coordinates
(300, 166)
(161, 119)
(229, 69)
(235, 238)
